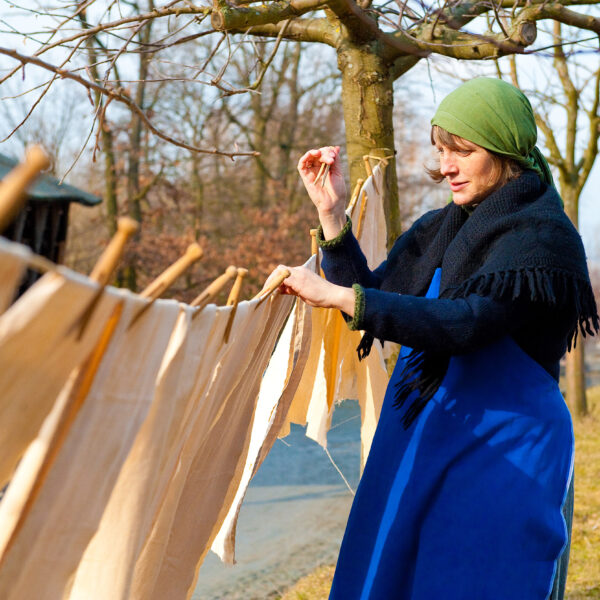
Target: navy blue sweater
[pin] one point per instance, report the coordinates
(455, 326)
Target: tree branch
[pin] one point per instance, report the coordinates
(119, 96)
(558, 12)
(227, 16)
(299, 30)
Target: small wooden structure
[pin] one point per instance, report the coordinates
(43, 221)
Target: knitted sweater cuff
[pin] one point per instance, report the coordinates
(359, 308)
(338, 240)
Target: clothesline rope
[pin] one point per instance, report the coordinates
(340, 472)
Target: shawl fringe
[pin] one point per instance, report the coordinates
(552, 287)
(424, 371)
(423, 374)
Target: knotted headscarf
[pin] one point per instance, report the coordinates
(496, 116)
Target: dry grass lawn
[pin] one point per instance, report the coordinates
(583, 582)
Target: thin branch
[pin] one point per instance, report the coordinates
(153, 14)
(119, 96)
(33, 107)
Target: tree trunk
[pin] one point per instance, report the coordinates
(197, 194)
(368, 102)
(575, 361)
(110, 179)
(575, 376)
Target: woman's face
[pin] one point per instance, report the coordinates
(470, 171)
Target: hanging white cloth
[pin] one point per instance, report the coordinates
(39, 348)
(106, 568)
(211, 462)
(278, 386)
(56, 523)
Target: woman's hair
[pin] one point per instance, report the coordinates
(504, 169)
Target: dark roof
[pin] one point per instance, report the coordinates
(48, 188)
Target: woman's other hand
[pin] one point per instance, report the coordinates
(315, 290)
(330, 199)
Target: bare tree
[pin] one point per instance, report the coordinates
(567, 112)
(375, 42)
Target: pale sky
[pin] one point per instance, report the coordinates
(421, 76)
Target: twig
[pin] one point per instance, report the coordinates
(120, 97)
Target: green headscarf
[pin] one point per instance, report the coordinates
(496, 116)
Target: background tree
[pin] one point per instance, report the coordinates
(567, 112)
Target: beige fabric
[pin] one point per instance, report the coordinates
(39, 348)
(107, 566)
(13, 259)
(144, 440)
(41, 555)
(299, 406)
(212, 459)
(277, 388)
(373, 238)
(333, 372)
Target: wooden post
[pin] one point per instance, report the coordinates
(234, 298)
(213, 289)
(15, 184)
(167, 278)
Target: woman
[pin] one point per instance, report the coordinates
(462, 492)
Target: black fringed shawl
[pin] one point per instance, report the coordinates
(517, 243)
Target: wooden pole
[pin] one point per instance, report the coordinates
(105, 267)
(314, 249)
(15, 184)
(167, 278)
(361, 216)
(355, 195)
(370, 172)
(109, 259)
(213, 289)
(267, 291)
(234, 297)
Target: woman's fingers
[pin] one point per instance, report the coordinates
(307, 285)
(310, 163)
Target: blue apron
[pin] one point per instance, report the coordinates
(466, 503)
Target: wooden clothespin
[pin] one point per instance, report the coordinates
(106, 265)
(355, 195)
(267, 291)
(213, 289)
(314, 249)
(14, 185)
(233, 299)
(361, 216)
(109, 259)
(369, 170)
(166, 279)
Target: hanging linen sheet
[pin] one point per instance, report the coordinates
(277, 389)
(39, 348)
(211, 462)
(56, 523)
(333, 372)
(13, 262)
(107, 566)
(142, 440)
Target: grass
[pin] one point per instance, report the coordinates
(583, 582)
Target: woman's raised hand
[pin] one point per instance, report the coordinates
(330, 199)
